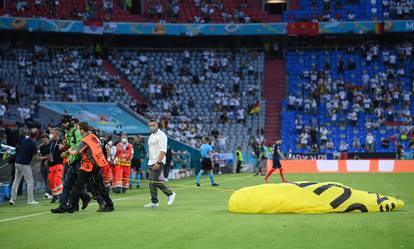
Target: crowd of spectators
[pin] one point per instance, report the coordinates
(397, 9)
(227, 104)
(384, 97)
(212, 11)
(167, 97)
(88, 10)
(350, 10)
(29, 75)
(205, 11)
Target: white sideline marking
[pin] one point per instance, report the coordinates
(37, 214)
(119, 199)
(42, 213)
(22, 217)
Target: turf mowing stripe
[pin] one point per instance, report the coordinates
(196, 187)
(42, 213)
(190, 186)
(183, 186)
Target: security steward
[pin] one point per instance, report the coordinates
(72, 140)
(239, 157)
(93, 160)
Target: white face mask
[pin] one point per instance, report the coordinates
(50, 136)
(110, 143)
(124, 140)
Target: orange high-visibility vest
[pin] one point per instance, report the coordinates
(93, 143)
(127, 154)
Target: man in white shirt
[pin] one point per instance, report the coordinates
(367, 103)
(369, 140)
(157, 149)
(343, 147)
(291, 102)
(324, 135)
(303, 140)
(353, 117)
(241, 116)
(393, 59)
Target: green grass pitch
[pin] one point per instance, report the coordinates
(199, 219)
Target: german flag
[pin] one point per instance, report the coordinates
(255, 108)
(379, 28)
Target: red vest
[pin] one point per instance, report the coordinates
(124, 156)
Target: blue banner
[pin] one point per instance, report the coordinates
(346, 27)
(195, 29)
(399, 26)
(42, 24)
(104, 116)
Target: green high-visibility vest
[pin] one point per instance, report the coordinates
(239, 155)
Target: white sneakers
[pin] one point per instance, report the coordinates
(47, 196)
(171, 199)
(151, 205)
(11, 202)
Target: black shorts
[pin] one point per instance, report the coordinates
(277, 164)
(136, 164)
(206, 164)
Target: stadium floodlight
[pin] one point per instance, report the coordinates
(275, 1)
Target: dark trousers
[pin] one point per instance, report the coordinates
(44, 170)
(156, 184)
(92, 186)
(238, 167)
(71, 174)
(95, 178)
(166, 170)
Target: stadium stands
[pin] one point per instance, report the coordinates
(352, 93)
(154, 11)
(56, 74)
(194, 93)
(197, 92)
(100, 10)
(198, 11)
(350, 10)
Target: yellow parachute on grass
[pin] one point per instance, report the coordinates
(309, 197)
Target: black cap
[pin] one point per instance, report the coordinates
(66, 118)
